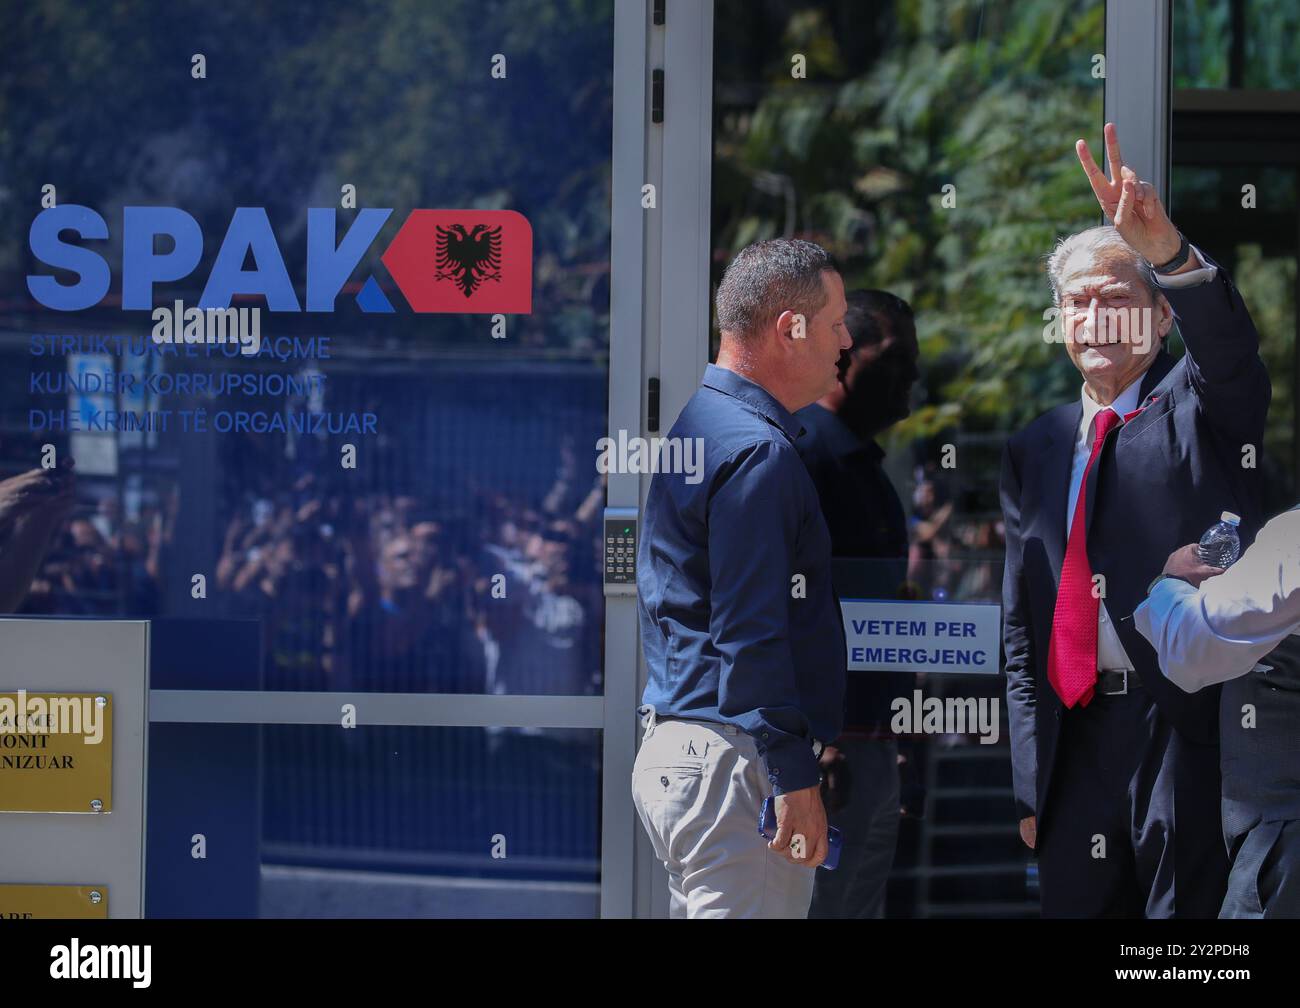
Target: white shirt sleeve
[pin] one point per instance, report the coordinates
(1203, 274)
(1219, 632)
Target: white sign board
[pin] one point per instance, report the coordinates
(963, 637)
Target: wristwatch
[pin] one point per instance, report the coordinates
(1152, 586)
(1183, 254)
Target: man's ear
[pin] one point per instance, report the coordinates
(789, 325)
(1164, 316)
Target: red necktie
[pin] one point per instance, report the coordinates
(1072, 654)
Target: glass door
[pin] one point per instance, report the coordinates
(929, 147)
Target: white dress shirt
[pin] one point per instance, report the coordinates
(1110, 650)
(1220, 631)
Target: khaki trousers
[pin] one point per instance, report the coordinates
(698, 787)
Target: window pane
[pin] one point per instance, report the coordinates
(1251, 44)
(454, 546)
(1235, 172)
(929, 147)
(373, 821)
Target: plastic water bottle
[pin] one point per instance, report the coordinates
(1220, 546)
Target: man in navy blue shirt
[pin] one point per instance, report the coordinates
(742, 631)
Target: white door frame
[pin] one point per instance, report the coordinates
(619, 824)
(679, 163)
(1138, 86)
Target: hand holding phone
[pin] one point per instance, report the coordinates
(767, 830)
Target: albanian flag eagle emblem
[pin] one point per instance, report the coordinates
(468, 260)
(464, 261)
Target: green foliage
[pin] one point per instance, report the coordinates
(1270, 44)
(1268, 287)
(988, 97)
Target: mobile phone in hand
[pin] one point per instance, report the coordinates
(767, 830)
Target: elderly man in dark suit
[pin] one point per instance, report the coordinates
(1116, 770)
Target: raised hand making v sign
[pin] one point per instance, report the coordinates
(1134, 207)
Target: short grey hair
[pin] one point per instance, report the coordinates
(769, 277)
(1095, 241)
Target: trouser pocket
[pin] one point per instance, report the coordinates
(670, 781)
(666, 796)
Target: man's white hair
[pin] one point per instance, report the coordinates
(1094, 242)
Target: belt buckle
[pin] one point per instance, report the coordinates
(1118, 692)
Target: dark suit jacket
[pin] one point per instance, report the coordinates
(868, 544)
(1162, 479)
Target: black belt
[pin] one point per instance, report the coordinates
(1117, 682)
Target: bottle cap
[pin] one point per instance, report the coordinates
(1230, 518)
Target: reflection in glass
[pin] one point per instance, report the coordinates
(929, 147)
(1234, 179)
(373, 821)
(460, 553)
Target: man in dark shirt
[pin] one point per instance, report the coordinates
(742, 632)
(869, 544)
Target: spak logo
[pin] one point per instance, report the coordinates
(460, 261)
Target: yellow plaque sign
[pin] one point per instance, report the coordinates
(56, 752)
(53, 902)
